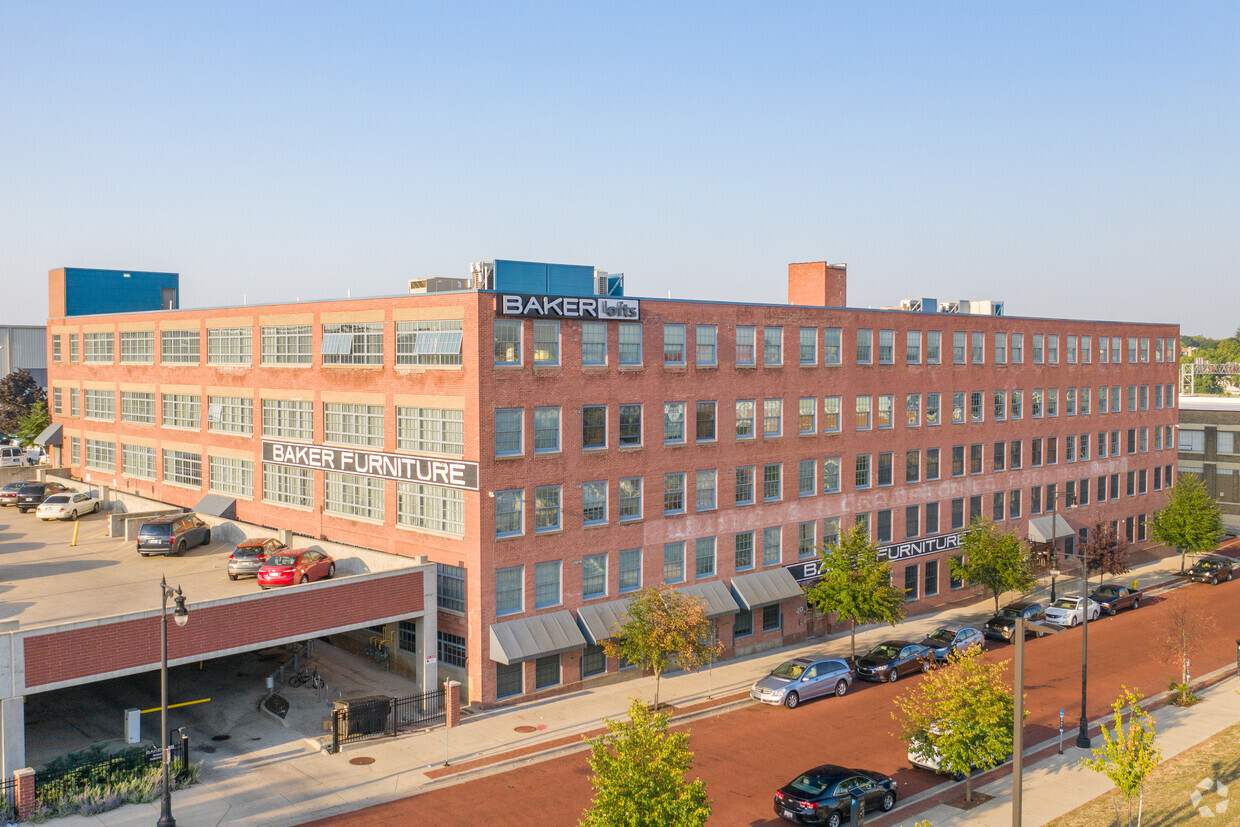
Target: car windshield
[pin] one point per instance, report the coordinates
(1012, 613)
(790, 670)
(13, 486)
(58, 498)
(1106, 592)
(942, 636)
(158, 530)
(282, 560)
(1065, 603)
(811, 784)
(885, 651)
(1210, 565)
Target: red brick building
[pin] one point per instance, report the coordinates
(555, 453)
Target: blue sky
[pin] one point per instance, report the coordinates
(1073, 159)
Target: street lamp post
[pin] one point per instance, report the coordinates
(1082, 737)
(181, 615)
(1054, 576)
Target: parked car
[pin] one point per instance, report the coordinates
(923, 754)
(1069, 610)
(31, 495)
(824, 795)
(1112, 597)
(68, 505)
(947, 639)
(893, 658)
(12, 456)
(249, 555)
(8, 494)
(1211, 568)
(172, 535)
(801, 679)
(298, 565)
(1003, 625)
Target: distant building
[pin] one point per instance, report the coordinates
(78, 291)
(1209, 446)
(24, 347)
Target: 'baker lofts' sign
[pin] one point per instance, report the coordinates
(449, 473)
(569, 307)
(807, 571)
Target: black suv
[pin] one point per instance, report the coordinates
(172, 535)
(31, 495)
(1210, 568)
(1003, 625)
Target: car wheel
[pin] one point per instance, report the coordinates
(232, 577)
(889, 801)
(95, 510)
(331, 571)
(305, 578)
(1136, 604)
(180, 549)
(1228, 577)
(894, 676)
(792, 700)
(206, 539)
(925, 666)
(1075, 622)
(834, 819)
(841, 688)
(73, 515)
(22, 510)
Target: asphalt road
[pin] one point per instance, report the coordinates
(746, 754)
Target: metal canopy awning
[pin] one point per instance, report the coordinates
(600, 621)
(50, 435)
(715, 595)
(1042, 531)
(216, 505)
(762, 588)
(515, 641)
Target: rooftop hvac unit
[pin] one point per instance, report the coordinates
(482, 275)
(951, 307)
(600, 282)
(417, 285)
(913, 305)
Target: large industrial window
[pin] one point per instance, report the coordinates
(182, 410)
(288, 418)
(451, 588)
(287, 485)
(101, 455)
(509, 679)
(183, 468)
(433, 342)
(353, 424)
(431, 430)
(230, 346)
(98, 404)
(452, 649)
(286, 344)
(179, 347)
(407, 636)
(353, 344)
(137, 347)
(230, 414)
(138, 461)
(353, 495)
(98, 347)
(231, 476)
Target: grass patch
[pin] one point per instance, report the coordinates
(1168, 793)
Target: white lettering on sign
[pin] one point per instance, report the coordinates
(568, 307)
(429, 470)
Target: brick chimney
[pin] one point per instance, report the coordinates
(818, 284)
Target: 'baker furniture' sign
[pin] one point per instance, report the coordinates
(449, 473)
(807, 570)
(569, 307)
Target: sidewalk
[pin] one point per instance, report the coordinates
(296, 782)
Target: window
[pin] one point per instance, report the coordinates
(997, 506)
(73, 349)
(932, 464)
(74, 403)
(1037, 348)
(862, 471)
(594, 503)
(1052, 401)
(705, 421)
(1052, 349)
(706, 338)
(772, 481)
(806, 472)
(509, 513)
(745, 337)
(407, 636)
(437, 342)
(831, 346)
(704, 487)
(912, 520)
(183, 468)
(959, 343)
(351, 344)
(55, 347)
(975, 458)
(287, 485)
(593, 427)
(863, 413)
(630, 575)
(864, 344)
(350, 424)
(772, 618)
(831, 475)
(1192, 440)
(743, 544)
(230, 414)
(630, 498)
(285, 344)
(509, 588)
(509, 679)
(100, 455)
(805, 539)
(593, 343)
(354, 495)
(673, 421)
(772, 346)
(704, 557)
(99, 404)
(1014, 458)
(674, 493)
(673, 562)
(807, 414)
(831, 414)
(137, 347)
(630, 334)
(933, 347)
(912, 347)
(673, 344)
(886, 347)
(932, 518)
(1017, 404)
(978, 349)
(772, 417)
(958, 461)
(231, 476)
(886, 410)
(431, 508)
(546, 342)
(1069, 402)
(58, 400)
(138, 461)
(910, 582)
(772, 541)
(1000, 347)
(436, 430)
(958, 407)
(507, 333)
(932, 578)
(742, 624)
(547, 508)
(884, 526)
(884, 468)
(593, 576)
(546, 584)
(976, 409)
(98, 347)
(227, 346)
(288, 419)
(912, 410)
(932, 409)
(1132, 350)
(744, 485)
(809, 346)
(957, 513)
(178, 347)
(630, 426)
(182, 410)
(1000, 399)
(912, 466)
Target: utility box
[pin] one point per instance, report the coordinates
(133, 726)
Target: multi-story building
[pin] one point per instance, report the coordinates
(1209, 446)
(555, 451)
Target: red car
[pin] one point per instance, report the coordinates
(297, 565)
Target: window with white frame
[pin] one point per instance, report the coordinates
(288, 418)
(772, 541)
(73, 348)
(546, 430)
(431, 430)
(509, 590)
(75, 402)
(1192, 440)
(137, 347)
(546, 584)
(178, 347)
(183, 468)
(286, 344)
(182, 410)
(435, 342)
(705, 490)
(55, 347)
(547, 508)
(1000, 347)
(75, 450)
(230, 414)
(353, 495)
(230, 475)
(431, 508)
(593, 343)
(230, 345)
(351, 424)
(546, 342)
(100, 455)
(772, 417)
(959, 340)
(353, 344)
(288, 485)
(99, 404)
(138, 461)
(630, 335)
(99, 347)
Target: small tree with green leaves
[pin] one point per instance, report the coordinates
(33, 423)
(1190, 521)
(664, 624)
(1128, 755)
(856, 585)
(639, 775)
(992, 559)
(1106, 551)
(18, 392)
(961, 714)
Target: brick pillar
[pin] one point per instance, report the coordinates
(452, 703)
(24, 792)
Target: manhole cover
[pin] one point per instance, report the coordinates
(220, 737)
(526, 728)
(361, 760)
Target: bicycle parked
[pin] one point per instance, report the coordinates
(305, 677)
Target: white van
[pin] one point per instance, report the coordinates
(12, 456)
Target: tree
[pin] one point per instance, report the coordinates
(1128, 756)
(18, 392)
(962, 714)
(993, 559)
(1190, 520)
(856, 585)
(639, 775)
(1105, 551)
(33, 423)
(1186, 631)
(663, 624)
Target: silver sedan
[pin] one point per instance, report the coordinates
(801, 679)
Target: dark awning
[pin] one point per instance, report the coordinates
(762, 588)
(50, 435)
(600, 621)
(215, 505)
(515, 641)
(1048, 528)
(715, 595)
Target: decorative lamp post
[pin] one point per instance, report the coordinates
(181, 615)
(1054, 575)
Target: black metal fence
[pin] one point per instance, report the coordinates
(378, 716)
(8, 800)
(54, 784)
